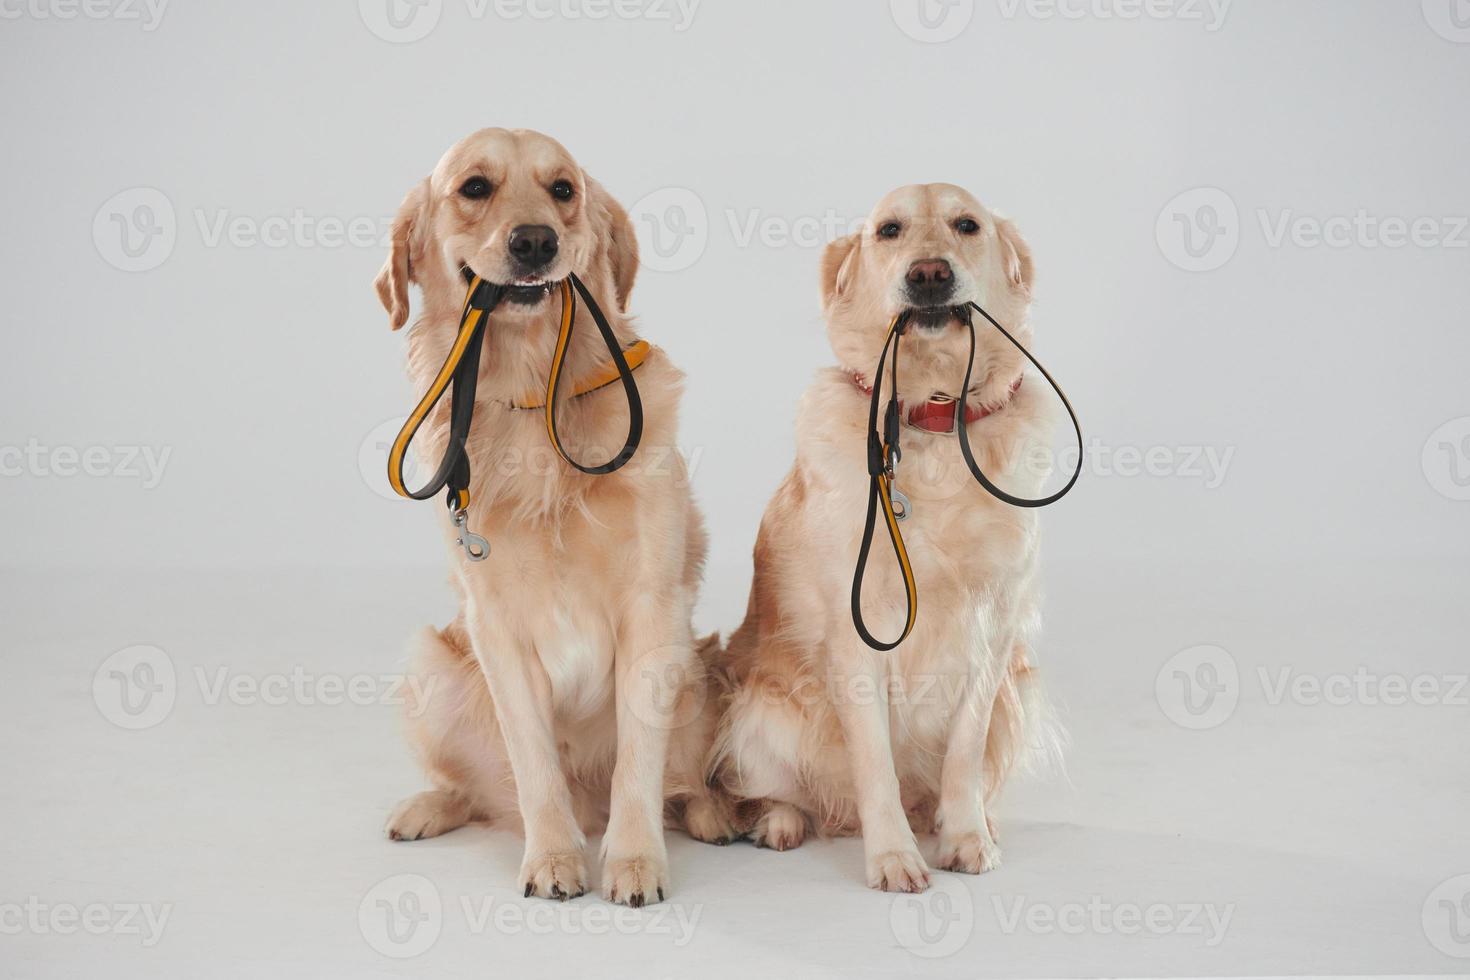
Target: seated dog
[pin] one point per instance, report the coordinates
(554, 692)
(821, 731)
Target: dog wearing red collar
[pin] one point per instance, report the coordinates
(819, 732)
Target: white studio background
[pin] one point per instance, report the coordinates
(253, 352)
(1250, 226)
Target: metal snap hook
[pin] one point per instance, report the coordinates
(476, 547)
(901, 506)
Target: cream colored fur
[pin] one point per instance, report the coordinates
(555, 692)
(821, 732)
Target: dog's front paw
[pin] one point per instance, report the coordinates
(971, 854)
(560, 875)
(898, 871)
(635, 881)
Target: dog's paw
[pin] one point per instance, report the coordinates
(705, 820)
(898, 871)
(559, 875)
(971, 854)
(780, 828)
(426, 814)
(635, 881)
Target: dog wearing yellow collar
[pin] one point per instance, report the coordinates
(568, 695)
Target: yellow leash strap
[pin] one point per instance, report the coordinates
(883, 457)
(620, 365)
(461, 370)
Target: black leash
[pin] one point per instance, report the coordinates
(884, 455)
(462, 368)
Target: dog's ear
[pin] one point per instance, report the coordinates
(408, 235)
(1016, 255)
(617, 239)
(839, 262)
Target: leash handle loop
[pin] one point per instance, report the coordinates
(625, 374)
(965, 450)
(460, 369)
(883, 456)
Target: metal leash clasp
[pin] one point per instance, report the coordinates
(476, 547)
(901, 506)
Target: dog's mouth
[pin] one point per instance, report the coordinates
(521, 291)
(932, 319)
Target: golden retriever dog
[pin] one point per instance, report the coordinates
(554, 692)
(821, 732)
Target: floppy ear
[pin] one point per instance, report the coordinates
(839, 262)
(1016, 255)
(619, 242)
(398, 271)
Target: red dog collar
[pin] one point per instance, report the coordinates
(936, 414)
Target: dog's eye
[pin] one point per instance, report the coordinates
(967, 226)
(891, 230)
(562, 190)
(475, 188)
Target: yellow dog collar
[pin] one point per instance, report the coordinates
(634, 354)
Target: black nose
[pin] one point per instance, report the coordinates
(533, 246)
(930, 272)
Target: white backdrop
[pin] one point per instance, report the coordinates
(1249, 222)
(273, 142)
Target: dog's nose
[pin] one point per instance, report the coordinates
(930, 272)
(533, 246)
